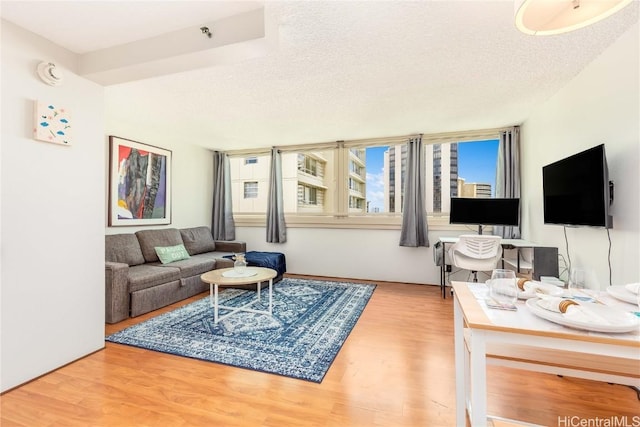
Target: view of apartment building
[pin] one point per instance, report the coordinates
(307, 182)
(357, 180)
(441, 182)
(473, 189)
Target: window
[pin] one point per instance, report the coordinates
(356, 203)
(371, 179)
(249, 183)
(251, 190)
(356, 185)
(310, 165)
(308, 195)
(384, 171)
(476, 165)
(306, 181)
(386, 167)
(357, 182)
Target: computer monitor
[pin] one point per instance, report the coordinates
(484, 211)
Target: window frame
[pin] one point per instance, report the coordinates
(341, 217)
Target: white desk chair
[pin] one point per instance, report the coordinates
(476, 253)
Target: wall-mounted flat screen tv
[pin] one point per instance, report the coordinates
(484, 211)
(576, 190)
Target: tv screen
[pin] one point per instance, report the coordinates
(576, 190)
(479, 211)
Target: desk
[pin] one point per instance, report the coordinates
(506, 244)
(492, 336)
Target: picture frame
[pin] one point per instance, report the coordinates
(139, 183)
(52, 123)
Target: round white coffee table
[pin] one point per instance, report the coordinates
(228, 277)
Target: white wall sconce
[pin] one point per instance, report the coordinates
(548, 17)
(50, 74)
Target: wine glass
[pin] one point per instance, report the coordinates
(503, 287)
(577, 281)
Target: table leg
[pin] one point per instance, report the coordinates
(467, 381)
(442, 284)
(461, 384)
(215, 303)
(478, 377)
(270, 296)
(443, 271)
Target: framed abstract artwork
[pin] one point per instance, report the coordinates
(139, 183)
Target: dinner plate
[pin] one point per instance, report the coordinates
(236, 274)
(634, 288)
(622, 293)
(619, 321)
(532, 288)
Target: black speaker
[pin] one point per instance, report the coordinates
(545, 262)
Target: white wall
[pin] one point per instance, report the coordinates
(192, 180)
(601, 105)
(357, 254)
(352, 253)
(52, 216)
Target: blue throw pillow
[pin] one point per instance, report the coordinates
(169, 254)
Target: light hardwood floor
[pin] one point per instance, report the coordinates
(395, 369)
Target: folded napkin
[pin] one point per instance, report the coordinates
(634, 288)
(572, 310)
(529, 288)
(533, 287)
(557, 304)
(584, 314)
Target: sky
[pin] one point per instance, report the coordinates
(375, 179)
(476, 163)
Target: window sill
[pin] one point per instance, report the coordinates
(370, 222)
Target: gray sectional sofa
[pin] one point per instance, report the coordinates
(137, 282)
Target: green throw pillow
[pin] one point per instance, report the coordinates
(169, 254)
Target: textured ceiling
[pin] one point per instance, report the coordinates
(338, 71)
(86, 26)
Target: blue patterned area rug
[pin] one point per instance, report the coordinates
(311, 320)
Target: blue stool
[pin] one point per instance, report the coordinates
(273, 260)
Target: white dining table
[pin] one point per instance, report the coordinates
(522, 339)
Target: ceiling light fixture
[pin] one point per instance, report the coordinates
(547, 17)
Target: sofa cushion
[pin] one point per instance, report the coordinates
(218, 257)
(123, 248)
(198, 240)
(147, 276)
(169, 254)
(150, 239)
(194, 266)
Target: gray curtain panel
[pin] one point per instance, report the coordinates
(276, 227)
(508, 176)
(414, 230)
(222, 225)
